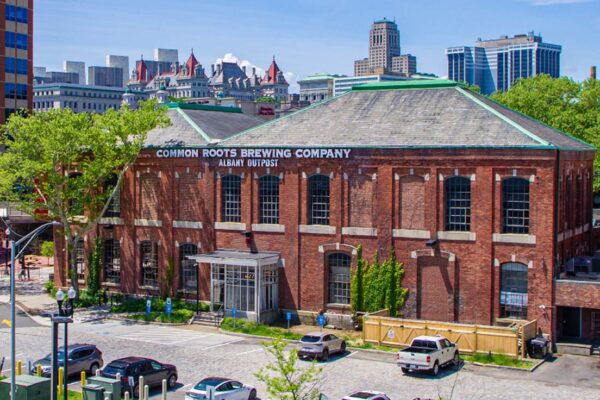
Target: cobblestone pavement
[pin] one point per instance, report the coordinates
(200, 352)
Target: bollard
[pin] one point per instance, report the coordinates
(146, 392)
(140, 389)
(98, 372)
(60, 380)
(164, 389)
(118, 376)
(83, 380)
(38, 370)
(126, 397)
(19, 367)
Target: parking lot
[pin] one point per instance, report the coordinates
(200, 352)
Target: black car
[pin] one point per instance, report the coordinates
(80, 357)
(153, 372)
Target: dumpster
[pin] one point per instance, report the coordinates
(538, 347)
(93, 392)
(29, 387)
(110, 386)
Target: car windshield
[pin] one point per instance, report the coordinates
(114, 368)
(59, 355)
(208, 382)
(310, 339)
(428, 344)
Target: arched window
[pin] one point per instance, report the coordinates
(114, 206)
(149, 258)
(338, 265)
(112, 261)
(513, 291)
(189, 268)
(268, 199)
(458, 203)
(318, 200)
(515, 205)
(231, 198)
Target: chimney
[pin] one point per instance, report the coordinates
(593, 72)
(244, 69)
(212, 69)
(253, 71)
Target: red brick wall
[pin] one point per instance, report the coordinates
(406, 190)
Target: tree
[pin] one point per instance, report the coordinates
(57, 163)
(357, 288)
(283, 379)
(266, 99)
(93, 278)
(47, 250)
(569, 106)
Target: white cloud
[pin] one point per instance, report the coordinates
(556, 2)
(231, 58)
(292, 79)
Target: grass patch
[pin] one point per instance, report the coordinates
(371, 346)
(74, 395)
(177, 316)
(498, 359)
(251, 328)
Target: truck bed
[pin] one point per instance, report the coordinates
(420, 350)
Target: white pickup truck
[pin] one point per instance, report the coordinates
(428, 353)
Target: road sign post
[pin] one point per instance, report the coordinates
(321, 321)
(169, 307)
(234, 314)
(288, 318)
(148, 306)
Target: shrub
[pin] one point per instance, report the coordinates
(49, 286)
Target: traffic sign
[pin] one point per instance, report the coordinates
(169, 306)
(321, 320)
(288, 316)
(148, 306)
(234, 312)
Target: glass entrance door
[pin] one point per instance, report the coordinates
(218, 285)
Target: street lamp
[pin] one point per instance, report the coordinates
(64, 316)
(21, 245)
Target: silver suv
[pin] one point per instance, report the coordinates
(320, 345)
(80, 357)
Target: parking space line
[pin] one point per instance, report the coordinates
(223, 344)
(255, 350)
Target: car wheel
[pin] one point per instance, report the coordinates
(343, 348)
(93, 369)
(436, 369)
(252, 395)
(325, 355)
(172, 381)
(456, 360)
(404, 370)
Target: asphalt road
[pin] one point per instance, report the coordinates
(22, 319)
(201, 353)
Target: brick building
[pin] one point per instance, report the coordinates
(481, 203)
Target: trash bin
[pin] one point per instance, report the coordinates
(538, 347)
(93, 392)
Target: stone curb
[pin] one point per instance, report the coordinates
(119, 318)
(533, 368)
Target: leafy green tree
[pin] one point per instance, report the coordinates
(266, 99)
(47, 249)
(284, 379)
(93, 277)
(562, 103)
(61, 160)
(357, 287)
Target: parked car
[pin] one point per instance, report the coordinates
(366, 395)
(153, 372)
(80, 357)
(320, 345)
(224, 389)
(428, 353)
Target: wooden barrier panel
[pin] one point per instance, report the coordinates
(470, 339)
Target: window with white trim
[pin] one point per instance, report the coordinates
(515, 205)
(458, 203)
(231, 199)
(338, 265)
(318, 204)
(149, 259)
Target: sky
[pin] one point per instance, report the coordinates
(305, 36)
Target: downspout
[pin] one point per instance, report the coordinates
(557, 198)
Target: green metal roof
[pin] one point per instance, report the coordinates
(204, 107)
(409, 84)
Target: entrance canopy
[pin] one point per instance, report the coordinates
(237, 257)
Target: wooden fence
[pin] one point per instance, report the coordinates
(469, 338)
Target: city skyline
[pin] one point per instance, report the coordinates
(303, 34)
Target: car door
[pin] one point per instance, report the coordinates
(336, 342)
(238, 391)
(224, 391)
(85, 359)
(148, 373)
(158, 372)
(74, 362)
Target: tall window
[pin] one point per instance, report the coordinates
(80, 259)
(114, 206)
(513, 291)
(268, 198)
(338, 265)
(515, 205)
(318, 204)
(189, 269)
(231, 198)
(149, 257)
(458, 203)
(112, 261)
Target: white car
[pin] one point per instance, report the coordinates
(366, 395)
(224, 389)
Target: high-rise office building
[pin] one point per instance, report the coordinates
(497, 64)
(77, 67)
(105, 76)
(170, 55)
(119, 62)
(16, 73)
(56, 77)
(384, 52)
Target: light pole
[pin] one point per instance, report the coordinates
(65, 312)
(27, 239)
